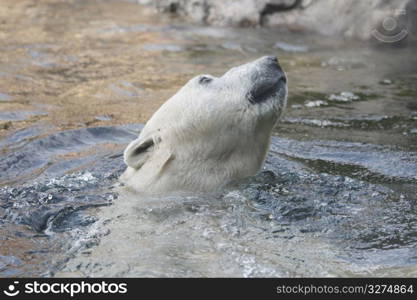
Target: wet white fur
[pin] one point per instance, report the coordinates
(205, 136)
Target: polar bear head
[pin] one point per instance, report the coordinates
(212, 131)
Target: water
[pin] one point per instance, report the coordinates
(337, 196)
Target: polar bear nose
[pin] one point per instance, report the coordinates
(267, 79)
(272, 62)
(271, 58)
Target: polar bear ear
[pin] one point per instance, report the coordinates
(138, 152)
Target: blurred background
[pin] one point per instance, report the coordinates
(76, 63)
(107, 65)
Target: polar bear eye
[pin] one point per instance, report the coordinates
(204, 80)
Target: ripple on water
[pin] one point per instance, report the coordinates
(259, 227)
(125, 89)
(5, 97)
(9, 266)
(291, 47)
(328, 224)
(391, 164)
(48, 152)
(20, 115)
(162, 47)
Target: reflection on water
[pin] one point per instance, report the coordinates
(337, 197)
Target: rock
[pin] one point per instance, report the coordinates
(225, 13)
(383, 20)
(315, 103)
(343, 97)
(350, 18)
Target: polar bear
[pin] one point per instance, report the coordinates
(214, 130)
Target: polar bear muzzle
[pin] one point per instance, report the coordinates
(267, 80)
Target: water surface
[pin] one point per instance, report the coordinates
(337, 196)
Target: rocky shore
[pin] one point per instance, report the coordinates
(388, 21)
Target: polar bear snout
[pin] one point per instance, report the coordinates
(268, 80)
(273, 69)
